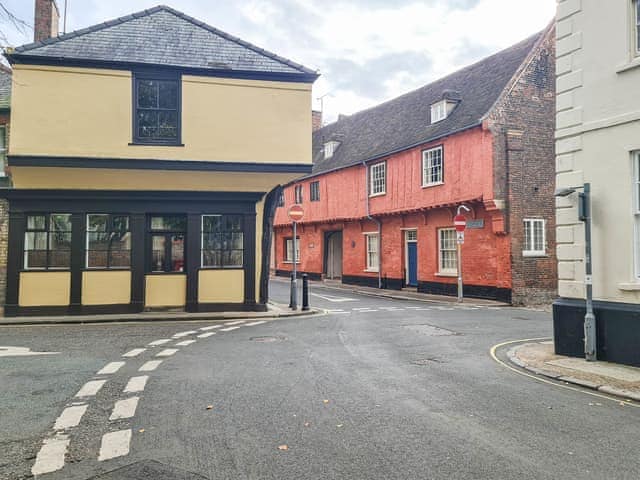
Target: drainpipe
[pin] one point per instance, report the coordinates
(378, 222)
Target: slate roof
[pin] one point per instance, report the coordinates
(404, 122)
(5, 88)
(160, 36)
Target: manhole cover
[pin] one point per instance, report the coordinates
(268, 339)
(430, 330)
(149, 469)
(426, 361)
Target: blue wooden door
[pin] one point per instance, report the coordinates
(412, 264)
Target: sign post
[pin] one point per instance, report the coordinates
(460, 222)
(295, 215)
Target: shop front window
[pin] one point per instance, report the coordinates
(167, 240)
(47, 242)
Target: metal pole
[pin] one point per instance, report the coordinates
(305, 291)
(589, 318)
(294, 289)
(460, 296)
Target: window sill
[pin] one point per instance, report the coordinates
(371, 270)
(156, 144)
(371, 195)
(289, 262)
(629, 287)
(427, 185)
(635, 63)
(535, 255)
(447, 274)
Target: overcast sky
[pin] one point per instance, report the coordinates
(367, 51)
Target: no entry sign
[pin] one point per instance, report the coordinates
(460, 223)
(295, 213)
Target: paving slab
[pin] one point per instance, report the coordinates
(619, 372)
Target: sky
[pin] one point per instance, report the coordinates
(366, 51)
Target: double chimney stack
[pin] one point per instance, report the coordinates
(47, 17)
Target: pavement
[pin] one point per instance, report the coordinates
(611, 378)
(374, 388)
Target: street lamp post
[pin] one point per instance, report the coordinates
(584, 214)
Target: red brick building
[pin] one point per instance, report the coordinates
(387, 182)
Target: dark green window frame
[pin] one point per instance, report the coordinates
(157, 100)
(109, 240)
(222, 243)
(41, 236)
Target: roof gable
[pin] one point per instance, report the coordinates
(160, 36)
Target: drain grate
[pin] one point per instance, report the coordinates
(270, 339)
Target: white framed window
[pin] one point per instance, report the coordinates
(314, 191)
(438, 111)
(534, 237)
(378, 179)
(373, 257)
(330, 148)
(636, 23)
(288, 250)
(636, 211)
(432, 167)
(298, 194)
(447, 251)
(3, 150)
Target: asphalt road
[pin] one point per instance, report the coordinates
(375, 389)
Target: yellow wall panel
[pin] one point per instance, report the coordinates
(165, 290)
(106, 288)
(221, 286)
(44, 289)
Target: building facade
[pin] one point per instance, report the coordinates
(387, 181)
(145, 158)
(598, 142)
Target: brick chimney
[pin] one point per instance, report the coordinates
(45, 24)
(316, 120)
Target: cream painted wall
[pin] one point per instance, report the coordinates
(221, 286)
(106, 288)
(165, 290)
(48, 289)
(87, 112)
(598, 129)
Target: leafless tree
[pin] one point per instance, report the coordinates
(9, 20)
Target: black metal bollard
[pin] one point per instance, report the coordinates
(291, 290)
(305, 292)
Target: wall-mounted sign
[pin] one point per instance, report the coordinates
(475, 223)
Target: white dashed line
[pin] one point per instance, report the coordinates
(206, 335)
(134, 353)
(340, 312)
(90, 388)
(212, 327)
(238, 322)
(150, 366)
(184, 334)
(360, 308)
(228, 329)
(110, 368)
(160, 342)
(167, 352)
(70, 417)
(124, 408)
(51, 456)
(260, 322)
(136, 384)
(366, 311)
(114, 444)
(414, 308)
(185, 343)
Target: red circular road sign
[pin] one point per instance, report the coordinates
(295, 213)
(460, 223)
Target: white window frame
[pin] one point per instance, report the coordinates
(372, 247)
(636, 27)
(429, 165)
(438, 111)
(288, 250)
(442, 269)
(3, 150)
(298, 194)
(330, 148)
(314, 187)
(636, 212)
(377, 186)
(530, 238)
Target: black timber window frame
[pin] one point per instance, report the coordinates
(156, 80)
(314, 191)
(110, 239)
(43, 234)
(222, 245)
(168, 262)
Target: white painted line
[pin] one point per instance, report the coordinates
(124, 408)
(134, 353)
(150, 366)
(414, 308)
(331, 298)
(21, 352)
(228, 329)
(341, 313)
(110, 368)
(167, 352)
(260, 322)
(237, 322)
(184, 334)
(361, 308)
(184, 343)
(136, 384)
(336, 310)
(51, 456)
(90, 388)
(114, 444)
(70, 417)
(212, 327)
(155, 343)
(206, 335)
(366, 311)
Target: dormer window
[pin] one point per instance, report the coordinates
(439, 111)
(330, 148)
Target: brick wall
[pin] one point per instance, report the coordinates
(524, 160)
(45, 20)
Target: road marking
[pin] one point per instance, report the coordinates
(150, 366)
(445, 308)
(206, 335)
(110, 368)
(361, 308)
(414, 308)
(331, 298)
(51, 456)
(70, 417)
(167, 352)
(184, 334)
(90, 388)
(228, 329)
(259, 322)
(21, 352)
(238, 322)
(366, 310)
(114, 444)
(185, 343)
(339, 312)
(134, 353)
(155, 343)
(136, 384)
(212, 327)
(124, 408)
